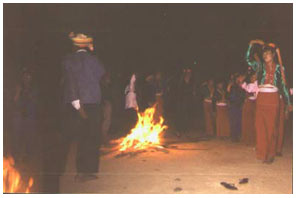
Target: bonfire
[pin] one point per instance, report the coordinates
(146, 133)
(12, 182)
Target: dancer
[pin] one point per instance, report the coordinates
(25, 120)
(272, 83)
(248, 110)
(222, 117)
(185, 102)
(236, 97)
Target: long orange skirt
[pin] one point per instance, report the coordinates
(209, 118)
(248, 131)
(222, 121)
(267, 111)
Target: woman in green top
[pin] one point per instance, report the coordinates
(262, 67)
(272, 84)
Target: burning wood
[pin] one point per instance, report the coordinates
(12, 182)
(146, 133)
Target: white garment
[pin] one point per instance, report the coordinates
(207, 100)
(268, 89)
(131, 101)
(221, 104)
(251, 88)
(81, 50)
(252, 97)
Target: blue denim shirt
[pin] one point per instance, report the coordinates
(82, 75)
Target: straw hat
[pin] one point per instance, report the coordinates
(81, 40)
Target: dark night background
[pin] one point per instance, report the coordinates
(144, 36)
(140, 37)
(136, 37)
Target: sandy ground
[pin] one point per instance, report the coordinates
(190, 165)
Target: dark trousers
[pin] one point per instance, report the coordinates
(87, 134)
(209, 118)
(184, 115)
(25, 137)
(235, 114)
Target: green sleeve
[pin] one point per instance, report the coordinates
(284, 88)
(249, 59)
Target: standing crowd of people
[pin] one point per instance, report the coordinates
(249, 107)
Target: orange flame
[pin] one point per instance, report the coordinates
(146, 132)
(12, 178)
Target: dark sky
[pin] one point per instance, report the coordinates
(145, 37)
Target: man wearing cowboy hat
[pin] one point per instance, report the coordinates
(82, 73)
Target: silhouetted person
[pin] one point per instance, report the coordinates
(82, 98)
(273, 100)
(25, 117)
(236, 99)
(131, 105)
(222, 115)
(159, 94)
(185, 102)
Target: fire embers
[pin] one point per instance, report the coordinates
(146, 133)
(12, 182)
